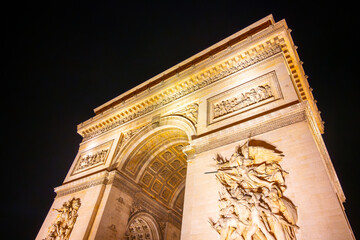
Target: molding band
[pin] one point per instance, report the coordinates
(290, 115)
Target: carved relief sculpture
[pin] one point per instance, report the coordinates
(190, 112)
(93, 157)
(251, 202)
(65, 220)
(243, 100)
(139, 230)
(248, 95)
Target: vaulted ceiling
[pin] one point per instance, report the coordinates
(158, 166)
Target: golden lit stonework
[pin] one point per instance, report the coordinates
(144, 167)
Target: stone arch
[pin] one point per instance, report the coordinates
(153, 159)
(170, 121)
(157, 164)
(180, 122)
(143, 225)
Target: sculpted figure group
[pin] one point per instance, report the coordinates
(92, 159)
(252, 204)
(245, 99)
(65, 220)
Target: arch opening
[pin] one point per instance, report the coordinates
(157, 165)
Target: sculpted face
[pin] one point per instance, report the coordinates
(76, 204)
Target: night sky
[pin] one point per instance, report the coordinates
(62, 60)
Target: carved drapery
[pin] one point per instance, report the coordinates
(251, 202)
(65, 220)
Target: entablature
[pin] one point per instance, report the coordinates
(238, 55)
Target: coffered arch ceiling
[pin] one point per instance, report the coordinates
(158, 166)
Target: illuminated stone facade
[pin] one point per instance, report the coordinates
(145, 168)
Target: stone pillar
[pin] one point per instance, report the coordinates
(90, 191)
(114, 211)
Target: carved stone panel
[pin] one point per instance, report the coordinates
(251, 200)
(139, 229)
(62, 226)
(190, 112)
(92, 158)
(247, 96)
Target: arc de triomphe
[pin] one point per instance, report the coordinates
(225, 145)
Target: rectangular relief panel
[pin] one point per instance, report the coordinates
(242, 98)
(92, 158)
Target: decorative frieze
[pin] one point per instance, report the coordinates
(242, 100)
(189, 85)
(249, 95)
(92, 158)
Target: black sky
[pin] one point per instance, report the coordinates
(63, 59)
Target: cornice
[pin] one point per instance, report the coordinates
(101, 178)
(188, 63)
(299, 77)
(82, 184)
(184, 88)
(273, 39)
(239, 131)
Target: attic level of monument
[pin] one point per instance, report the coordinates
(211, 51)
(238, 52)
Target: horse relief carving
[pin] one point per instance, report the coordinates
(251, 202)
